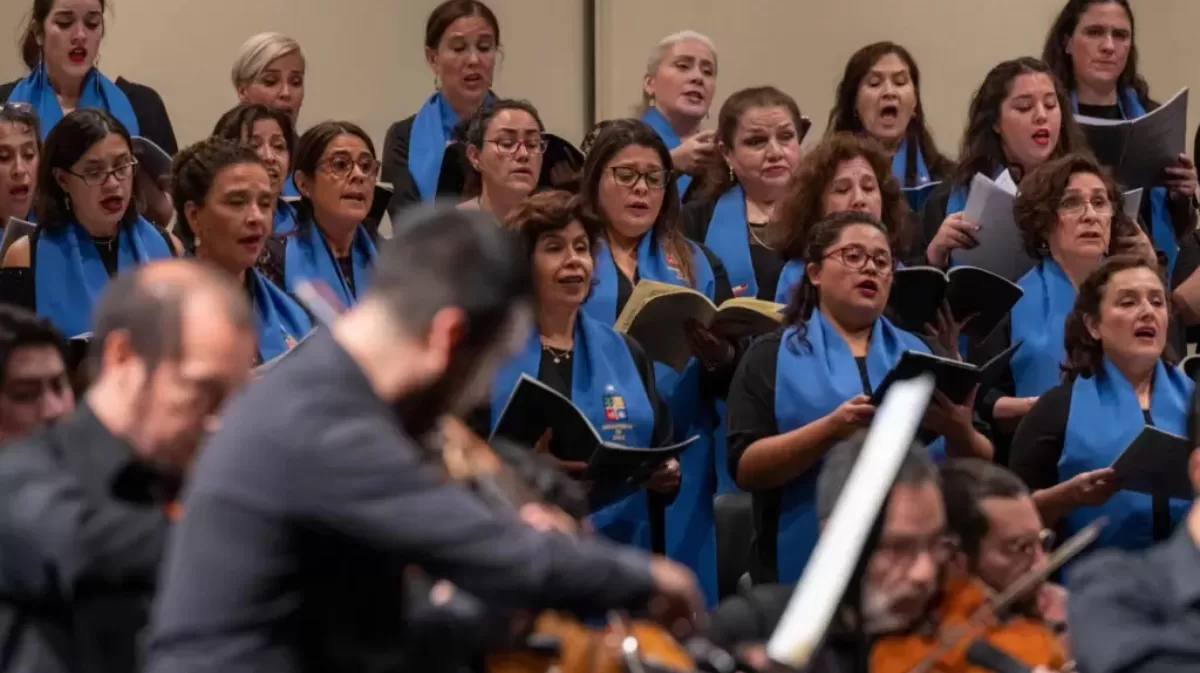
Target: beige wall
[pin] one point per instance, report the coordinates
(366, 64)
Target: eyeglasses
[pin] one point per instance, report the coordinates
(855, 258)
(511, 145)
(340, 166)
(98, 176)
(628, 176)
(22, 108)
(30, 390)
(903, 554)
(1028, 546)
(1075, 204)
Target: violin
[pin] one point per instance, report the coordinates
(556, 641)
(971, 618)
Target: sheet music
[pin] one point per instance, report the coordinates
(1133, 203)
(1138, 150)
(823, 584)
(1001, 249)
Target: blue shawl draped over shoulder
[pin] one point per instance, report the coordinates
(308, 257)
(812, 378)
(1037, 322)
(98, 92)
(662, 127)
(281, 320)
(432, 130)
(900, 166)
(729, 238)
(1105, 417)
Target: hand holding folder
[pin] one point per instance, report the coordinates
(953, 378)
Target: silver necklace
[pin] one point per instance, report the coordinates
(558, 355)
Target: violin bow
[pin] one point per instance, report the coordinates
(1015, 592)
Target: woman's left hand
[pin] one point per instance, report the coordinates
(1181, 179)
(711, 350)
(950, 420)
(947, 330)
(666, 478)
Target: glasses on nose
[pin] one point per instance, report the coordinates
(628, 176)
(511, 145)
(1077, 205)
(340, 167)
(29, 391)
(1027, 547)
(855, 258)
(903, 554)
(94, 177)
(20, 108)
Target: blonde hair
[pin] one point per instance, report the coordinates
(660, 51)
(258, 53)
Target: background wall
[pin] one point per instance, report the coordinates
(366, 64)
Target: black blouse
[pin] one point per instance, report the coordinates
(696, 216)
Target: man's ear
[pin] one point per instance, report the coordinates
(445, 333)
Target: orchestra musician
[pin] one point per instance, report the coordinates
(35, 384)
(85, 503)
(317, 496)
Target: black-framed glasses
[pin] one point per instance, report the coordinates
(94, 177)
(511, 145)
(628, 176)
(855, 258)
(341, 166)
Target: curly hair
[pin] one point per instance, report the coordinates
(193, 172)
(802, 208)
(547, 212)
(1036, 208)
(1085, 353)
(822, 236)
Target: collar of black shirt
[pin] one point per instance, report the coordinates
(1181, 558)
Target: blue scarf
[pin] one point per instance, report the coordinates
(606, 386)
(308, 256)
(289, 189)
(285, 218)
(281, 321)
(1161, 232)
(1037, 323)
(1105, 417)
(432, 131)
(662, 127)
(789, 278)
(811, 380)
(98, 92)
(653, 264)
(900, 165)
(69, 274)
(729, 237)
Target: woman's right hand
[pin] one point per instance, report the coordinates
(954, 233)
(1090, 489)
(693, 151)
(852, 414)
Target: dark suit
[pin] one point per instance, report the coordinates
(77, 565)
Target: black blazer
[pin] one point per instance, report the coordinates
(395, 168)
(148, 107)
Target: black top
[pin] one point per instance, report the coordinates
(395, 168)
(346, 266)
(1038, 443)
(80, 564)
(696, 216)
(153, 122)
(317, 499)
(1101, 111)
(1138, 612)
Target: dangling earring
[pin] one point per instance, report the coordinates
(437, 85)
(732, 177)
(650, 102)
(67, 202)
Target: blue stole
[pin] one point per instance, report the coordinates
(68, 274)
(811, 380)
(789, 278)
(662, 127)
(98, 92)
(691, 538)
(285, 218)
(1037, 321)
(1161, 232)
(289, 188)
(729, 237)
(281, 321)
(900, 165)
(431, 133)
(1104, 418)
(602, 373)
(309, 257)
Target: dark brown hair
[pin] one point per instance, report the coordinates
(236, 124)
(1036, 208)
(193, 172)
(844, 115)
(802, 207)
(821, 238)
(308, 156)
(547, 212)
(31, 50)
(982, 148)
(715, 175)
(616, 136)
(25, 115)
(452, 10)
(967, 482)
(1054, 52)
(1085, 353)
(66, 143)
(472, 132)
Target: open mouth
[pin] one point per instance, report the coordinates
(694, 97)
(889, 113)
(868, 287)
(77, 55)
(355, 197)
(522, 170)
(1090, 235)
(252, 241)
(472, 78)
(639, 206)
(1146, 332)
(572, 280)
(1042, 137)
(113, 204)
(19, 192)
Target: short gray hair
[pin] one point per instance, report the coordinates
(915, 469)
(258, 53)
(660, 51)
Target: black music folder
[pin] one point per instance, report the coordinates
(535, 407)
(1137, 150)
(1156, 463)
(918, 291)
(152, 159)
(917, 196)
(16, 288)
(953, 378)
